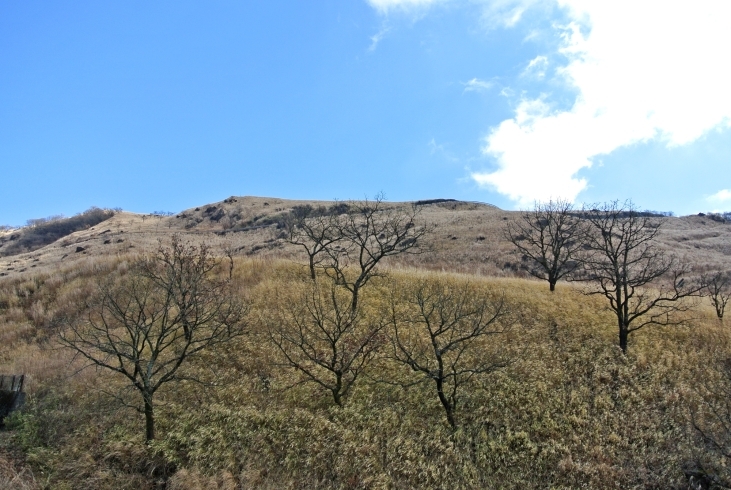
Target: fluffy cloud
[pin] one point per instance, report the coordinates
(720, 197)
(642, 70)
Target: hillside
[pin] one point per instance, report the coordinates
(543, 397)
(467, 237)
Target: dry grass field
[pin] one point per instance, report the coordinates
(566, 408)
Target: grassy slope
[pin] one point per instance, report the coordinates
(570, 411)
(468, 237)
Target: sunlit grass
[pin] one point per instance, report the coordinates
(569, 411)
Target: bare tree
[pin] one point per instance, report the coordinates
(718, 289)
(643, 285)
(146, 324)
(320, 336)
(230, 251)
(315, 230)
(440, 337)
(369, 232)
(550, 238)
(349, 240)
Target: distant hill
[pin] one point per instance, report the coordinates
(468, 236)
(41, 232)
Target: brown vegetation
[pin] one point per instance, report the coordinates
(569, 409)
(41, 232)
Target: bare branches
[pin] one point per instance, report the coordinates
(550, 239)
(717, 287)
(324, 340)
(371, 231)
(146, 325)
(330, 343)
(324, 334)
(349, 240)
(315, 230)
(439, 335)
(642, 284)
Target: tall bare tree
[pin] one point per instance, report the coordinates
(550, 238)
(439, 337)
(320, 336)
(146, 324)
(643, 285)
(324, 334)
(717, 287)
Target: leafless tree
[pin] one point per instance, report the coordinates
(146, 324)
(441, 337)
(320, 336)
(718, 289)
(369, 232)
(550, 239)
(349, 240)
(643, 285)
(315, 230)
(230, 251)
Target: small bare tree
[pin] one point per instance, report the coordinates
(643, 285)
(718, 289)
(440, 337)
(230, 251)
(320, 336)
(325, 334)
(315, 230)
(369, 232)
(148, 323)
(550, 238)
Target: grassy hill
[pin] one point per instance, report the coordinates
(467, 237)
(564, 407)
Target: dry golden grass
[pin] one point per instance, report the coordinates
(467, 237)
(570, 411)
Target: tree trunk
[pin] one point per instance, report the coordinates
(149, 419)
(354, 303)
(337, 395)
(448, 408)
(312, 268)
(552, 285)
(623, 334)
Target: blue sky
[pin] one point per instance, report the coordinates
(161, 106)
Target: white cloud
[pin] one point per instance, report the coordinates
(378, 37)
(536, 67)
(720, 197)
(642, 70)
(503, 13)
(494, 13)
(385, 6)
(477, 85)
